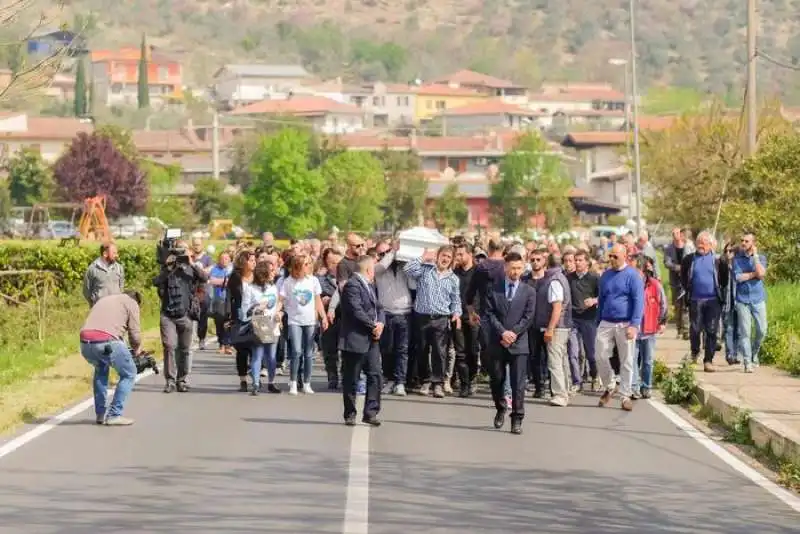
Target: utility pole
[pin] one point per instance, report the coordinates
(635, 96)
(215, 144)
(752, 118)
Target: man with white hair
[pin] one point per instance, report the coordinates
(703, 277)
(648, 250)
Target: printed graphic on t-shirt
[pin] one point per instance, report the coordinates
(302, 296)
(271, 300)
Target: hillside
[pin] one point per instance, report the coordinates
(692, 43)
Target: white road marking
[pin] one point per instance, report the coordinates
(788, 498)
(51, 423)
(356, 511)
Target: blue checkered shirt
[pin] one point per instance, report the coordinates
(437, 293)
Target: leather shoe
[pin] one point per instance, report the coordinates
(372, 421)
(499, 419)
(350, 421)
(516, 426)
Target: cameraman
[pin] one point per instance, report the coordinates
(177, 285)
(103, 346)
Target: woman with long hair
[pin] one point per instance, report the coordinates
(243, 267)
(654, 319)
(300, 296)
(261, 296)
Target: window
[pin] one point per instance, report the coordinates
(163, 74)
(429, 104)
(116, 88)
(441, 104)
(376, 101)
(402, 101)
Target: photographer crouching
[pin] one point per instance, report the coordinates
(177, 285)
(103, 346)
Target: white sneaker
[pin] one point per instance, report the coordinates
(559, 400)
(306, 389)
(292, 388)
(400, 390)
(264, 373)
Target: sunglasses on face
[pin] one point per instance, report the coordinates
(613, 256)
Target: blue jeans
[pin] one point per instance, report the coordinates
(729, 326)
(122, 362)
(301, 342)
(750, 346)
(643, 365)
(394, 346)
(257, 356)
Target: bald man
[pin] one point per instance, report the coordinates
(356, 247)
(620, 308)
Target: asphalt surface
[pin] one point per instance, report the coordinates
(215, 460)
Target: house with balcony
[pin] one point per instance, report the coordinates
(46, 42)
(553, 98)
(47, 135)
(489, 115)
(237, 85)
(491, 86)
(433, 99)
(323, 114)
(391, 104)
(600, 169)
(115, 75)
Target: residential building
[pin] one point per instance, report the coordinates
(47, 135)
(325, 115)
(50, 41)
(238, 85)
(506, 90)
(116, 77)
(600, 167)
(488, 115)
(433, 99)
(577, 97)
(61, 88)
(392, 104)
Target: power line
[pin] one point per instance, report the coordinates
(777, 62)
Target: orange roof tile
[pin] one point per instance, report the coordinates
(467, 77)
(592, 113)
(436, 89)
(492, 107)
(656, 123)
(50, 128)
(585, 139)
(297, 105)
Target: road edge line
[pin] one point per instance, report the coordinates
(785, 496)
(65, 415)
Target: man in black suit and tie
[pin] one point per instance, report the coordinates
(361, 325)
(510, 312)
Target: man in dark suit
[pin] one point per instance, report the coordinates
(510, 312)
(361, 326)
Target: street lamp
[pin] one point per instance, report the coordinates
(619, 62)
(635, 94)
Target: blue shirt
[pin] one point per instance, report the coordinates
(514, 287)
(749, 291)
(621, 297)
(220, 272)
(437, 293)
(703, 282)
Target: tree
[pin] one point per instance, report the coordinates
(81, 106)
(29, 179)
(764, 197)
(285, 195)
(685, 168)
(143, 84)
(122, 140)
(91, 166)
(355, 191)
(5, 200)
(209, 199)
(531, 181)
(449, 211)
(406, 188)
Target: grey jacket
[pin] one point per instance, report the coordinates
(672, 263)
(102, 279)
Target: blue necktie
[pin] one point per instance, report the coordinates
(510, 291)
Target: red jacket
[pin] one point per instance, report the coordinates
(655, 307)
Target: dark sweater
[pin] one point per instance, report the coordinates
(464, 281)
(582, 288)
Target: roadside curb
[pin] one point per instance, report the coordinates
(766, 432)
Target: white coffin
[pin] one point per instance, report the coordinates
(414, 242)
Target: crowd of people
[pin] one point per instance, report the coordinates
(541, 318)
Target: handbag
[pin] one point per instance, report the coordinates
(242, 333)
(265, 328)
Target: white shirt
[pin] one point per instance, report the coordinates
(299, 298)
(555, 292)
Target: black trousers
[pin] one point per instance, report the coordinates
(500, 357)
(704, 318)
(352, 364)
(434, 337)
(466, 342)
(537, 370)
(329, 341)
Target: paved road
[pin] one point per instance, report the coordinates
(216, 461)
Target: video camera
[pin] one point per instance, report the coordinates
(168, 247)
(145, 361)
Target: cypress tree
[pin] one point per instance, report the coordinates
(80, 89)
(143, 84)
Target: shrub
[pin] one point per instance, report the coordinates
(660, 372)
(678, 386)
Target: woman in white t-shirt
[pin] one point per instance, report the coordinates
(300, 298)
(261, 296)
